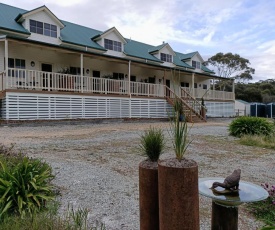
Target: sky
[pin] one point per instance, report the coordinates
(244, 27)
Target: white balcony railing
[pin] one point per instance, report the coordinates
(39, 80)
(210, 94)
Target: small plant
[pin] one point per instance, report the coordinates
(152, 143)
(179, 133)
(24, 187)
(250, 126)
(178, 106)
(265, 210)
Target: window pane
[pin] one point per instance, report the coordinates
(194, 64)
(32, 22)
(47, 32)
(53, 28)
(23, 64)
(54, 34)
(39, 24)
(11, 63)
(33, 29)
(39, 30)
(47, 26)
(17, 63)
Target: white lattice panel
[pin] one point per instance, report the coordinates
(22, 106)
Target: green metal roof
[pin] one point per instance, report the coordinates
(139, 50)
(177, 60)
(7, 19)
(205, 69)
(157, 48)
(83, 36)
(188, 56)
(79, 35)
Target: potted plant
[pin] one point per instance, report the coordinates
(178, 108)
(151, 145)
(178, 183)
(203, 108)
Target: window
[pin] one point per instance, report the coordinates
(196, 64)
(112, 45)
(96, 73)
(204, 86)
(75, 71)
(133, 78)
(118, 76)
(166, 57)
(18, 64)
(195, 85)
(43, 28)
(184, 84)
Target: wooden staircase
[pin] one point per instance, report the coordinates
(193, 110)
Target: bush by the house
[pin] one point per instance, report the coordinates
(251, 126)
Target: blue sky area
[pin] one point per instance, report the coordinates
(245, 27)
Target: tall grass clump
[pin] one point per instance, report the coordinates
(259, 141)
(152, 143)
(251, 126)
(179, 133)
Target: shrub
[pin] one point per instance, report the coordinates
(24, 187)
(250, 126)
(152, 143)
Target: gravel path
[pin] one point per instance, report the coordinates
(96, 165)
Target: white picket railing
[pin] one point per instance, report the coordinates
(39, 80)
(210, 94)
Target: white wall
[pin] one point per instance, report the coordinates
(242, 109)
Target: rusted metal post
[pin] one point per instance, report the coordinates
(178, 197)
(148, 197)
(225, 218)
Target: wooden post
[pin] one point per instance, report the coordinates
(81, 71)
(225, 218)
(5, 82)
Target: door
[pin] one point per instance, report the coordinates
(168, 85)
(46, 68)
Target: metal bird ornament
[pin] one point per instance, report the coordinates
(231, 182)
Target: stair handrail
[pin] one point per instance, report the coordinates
(197, 103)
(186, 104)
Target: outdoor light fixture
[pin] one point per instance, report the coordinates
(32, 63)
(87, 71)
(126, 75)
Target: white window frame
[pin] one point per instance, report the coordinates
(112, 45)
(166, 57)
(46, 29)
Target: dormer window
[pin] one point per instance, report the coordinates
(166, 57)
(112, 45)
(43, 28)
(196, 64)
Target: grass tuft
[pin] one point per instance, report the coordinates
(152, 143)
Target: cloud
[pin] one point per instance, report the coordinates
(238, 26)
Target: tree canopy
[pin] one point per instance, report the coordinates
(231, 66)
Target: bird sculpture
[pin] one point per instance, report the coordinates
(231, 182)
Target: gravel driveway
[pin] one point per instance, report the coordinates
(96, 164)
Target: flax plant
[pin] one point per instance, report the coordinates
(179, 133)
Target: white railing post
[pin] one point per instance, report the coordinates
(48, 80)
